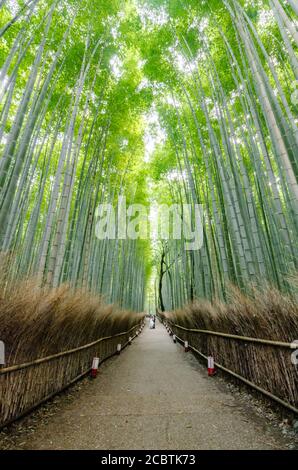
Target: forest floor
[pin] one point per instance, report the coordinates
(152, 396)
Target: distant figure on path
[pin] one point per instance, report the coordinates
(151, 324)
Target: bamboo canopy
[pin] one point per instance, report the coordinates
(189, 105)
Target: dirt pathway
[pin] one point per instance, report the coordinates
(153, 396)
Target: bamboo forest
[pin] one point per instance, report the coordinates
(112, 110)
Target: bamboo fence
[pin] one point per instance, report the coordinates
(263, 364)
(25, 386)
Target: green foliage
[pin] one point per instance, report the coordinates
(78, 91)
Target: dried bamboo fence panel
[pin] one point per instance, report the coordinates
(266, 363)
(22, 387)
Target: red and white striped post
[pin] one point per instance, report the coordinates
(94, 368)
(186, 346)
(211, 368)
(119, 348)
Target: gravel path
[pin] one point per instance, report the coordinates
(152, 396)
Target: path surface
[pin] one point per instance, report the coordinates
(153, 396)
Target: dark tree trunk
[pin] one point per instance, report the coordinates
(162, 262)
